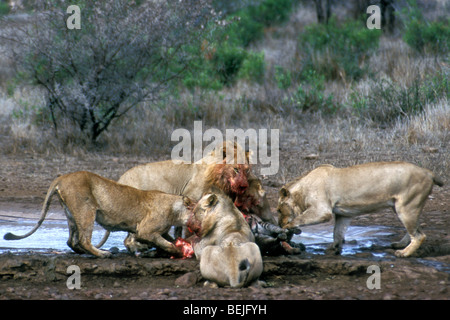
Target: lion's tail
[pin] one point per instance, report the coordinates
(51, 191)
(102, 242)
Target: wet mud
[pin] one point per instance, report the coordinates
(38, 269)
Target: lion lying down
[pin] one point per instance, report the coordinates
(87, 197)
(225, 247)
(349, 192)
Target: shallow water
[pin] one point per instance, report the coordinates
(318, 238)
(52, 235)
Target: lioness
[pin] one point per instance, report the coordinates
(191, 180)
(228, 256)
(348, 192)
(253, 200)
(255, 207)
(87, 197)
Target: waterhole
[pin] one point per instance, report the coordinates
(317, 238)
(51, 235)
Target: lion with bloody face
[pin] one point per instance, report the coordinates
(212, 173)
(193, 180)
(255, 207)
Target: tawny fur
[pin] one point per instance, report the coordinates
(348, 192)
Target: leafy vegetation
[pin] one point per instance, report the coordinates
(118, 61)
(388, 101)
(226, 58)
(422, 35)
(338, 50)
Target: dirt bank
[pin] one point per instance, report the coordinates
(43, 275)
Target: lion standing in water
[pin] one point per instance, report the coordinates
(88, 198)
(360, 189)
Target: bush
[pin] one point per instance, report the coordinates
(226, 59)
(310, 95)
(425, 36)
(388, 101)
(4, 8)
(94, 75)
(252, 20)
(253, 67)
(244, 30)
(271, 12)
(338, 51)
(223, 63)
(227, 62)
(283, 77)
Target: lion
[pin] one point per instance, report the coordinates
(88, 198)
(254, 200)
(191, 180)
(360, 189)
(225, 244)
(255, 207)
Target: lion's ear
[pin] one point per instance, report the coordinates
(211, 200)
(261, 192)
(225, 145)
(284, 193)
(187, 201)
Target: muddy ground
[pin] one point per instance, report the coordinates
(43, 275)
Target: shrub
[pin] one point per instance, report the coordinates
(253, 19)
(388, 101)
(227, 58)
(271, 12)
(338, 51)
(117, 59)
(425, 36)
(310, 95)
(283, 77)
(4, 8)
(227, 62)
(244, 29)
(253, 67)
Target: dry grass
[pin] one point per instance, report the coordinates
(340, 139)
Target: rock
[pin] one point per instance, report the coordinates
(114, 250)
(311, 156)
(98, 296)
(187, 280)
(210, 284)
(164, 292)
(430, 149)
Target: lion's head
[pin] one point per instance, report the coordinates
(231, 178)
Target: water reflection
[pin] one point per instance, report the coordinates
(317, 238)
(51, 235)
